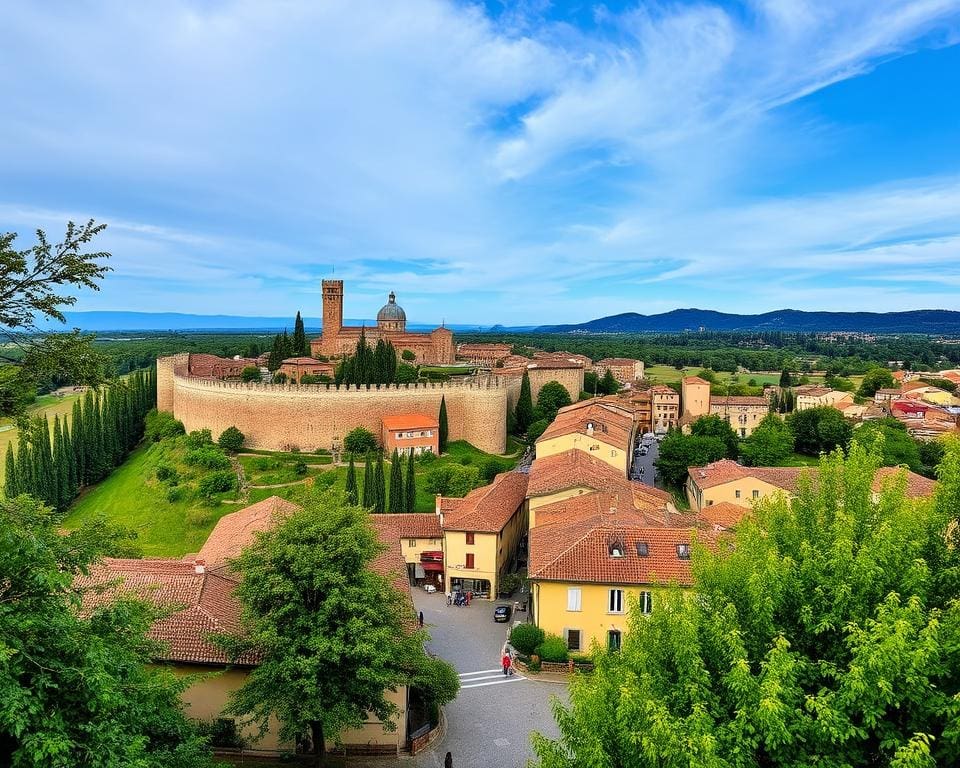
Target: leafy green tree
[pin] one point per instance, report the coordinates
(333, 635)
(360, 440)
(717, 426)
(523, 413)
(553, 396)
(931, 454)
(30, 284)
(526, 637)
(408, 356)
(444, 431)
(454, 480)
(785, 380)
(889, 439)
(536, 429)
(301, 347)
(826, 632)
(591, 384)
(406, 374)
(874, 379)
(819, 430)
(397, 496)
(410, 486)
(231, 440)
(252, 373)
(79, 688)
(679, 451)
(609, 384)
(279, 378)
(351, 482)
(769, 444)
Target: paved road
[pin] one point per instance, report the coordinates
(649, 475)
(490, 721)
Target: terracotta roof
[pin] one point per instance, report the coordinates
(410, 421)
(728, 400)
(888, 391)
(573, 469)
(787, 478)
(488, 509)
(202, 604)
(617, 361)
(202, 364)
(304, 361)
(579, 551)
(913, 385)
(415, 525)
(235, 531)
(663, 389)
(390, 562)
(554, 363)
(644, 510)
(695, 380)
(723, 515)
(612, 424)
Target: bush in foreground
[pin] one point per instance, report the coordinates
(526, 637)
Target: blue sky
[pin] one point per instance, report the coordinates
(518, 163)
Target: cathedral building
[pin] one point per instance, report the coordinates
(435, 347)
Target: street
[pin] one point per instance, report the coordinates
(649, 475)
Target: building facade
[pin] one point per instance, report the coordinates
(296, 367)
(410, 434)
(624, 369)
(337, 340)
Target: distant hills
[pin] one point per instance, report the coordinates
(921, 321)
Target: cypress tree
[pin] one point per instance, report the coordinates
(276, 354)
(379, 486)
(300, 346)
(351, 478)
(60, 469)
(523, 414)
(286, 346)
(380, 366)
(25, 473)
(369, 491)
(11, 483)
(46, 477)
(442, 419)
(396, 483)
(410, 486)
(784, 378)
(79, 452)
(71, 459)
(390, 374)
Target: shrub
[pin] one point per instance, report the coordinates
(165, 472)
(160, 424)
(176, 494)
(526, 637)
(208, 458)
(427, 457)
(360, 440)
(452, 480)
(217, 482)
(250, 373)
(199, 438)
(300, 468)
(553, 649)
(231, 439)
(263, 464)
(279, 378)
(536, 429)
(408, 355)
(309, 378)
(326, 479)
(489, 468)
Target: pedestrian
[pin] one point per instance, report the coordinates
(420, 619)
(506, 662)
(449, 598)
(469, 595)
(448, 761)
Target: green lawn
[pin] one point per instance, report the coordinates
(133, 497)
(51, 405)
(667, 374)
(279, 468)
(799, 460)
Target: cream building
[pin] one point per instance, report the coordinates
(601, 428)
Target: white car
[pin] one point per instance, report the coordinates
(429, 588)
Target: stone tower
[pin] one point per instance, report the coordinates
(332, 314)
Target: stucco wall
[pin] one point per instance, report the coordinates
(280, 416)
(592, 446)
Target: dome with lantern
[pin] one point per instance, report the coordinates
(391, 316)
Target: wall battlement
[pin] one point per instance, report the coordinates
(283, 416)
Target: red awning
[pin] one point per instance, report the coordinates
(431, 555)
(432, 566)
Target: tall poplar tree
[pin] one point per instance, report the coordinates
(523, 414)
(379, 486)
(300, 346)
(351, 488)
(11, 482)
(442, 420)
(369, 489)
(410, 486)
(396, 483)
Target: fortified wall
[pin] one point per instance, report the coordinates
(280, 416)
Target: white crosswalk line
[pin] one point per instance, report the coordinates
(501, 681)
(482, 672)
(483, 677)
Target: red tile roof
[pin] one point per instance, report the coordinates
(490, 508)
(573, 469)
(410, 421)
(415, 525)
(695, 380)
(235, 531)
(611, 423)
(728, 400)
(723, 515)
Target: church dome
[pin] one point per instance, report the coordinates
(391, 311)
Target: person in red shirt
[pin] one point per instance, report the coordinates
(506, 663)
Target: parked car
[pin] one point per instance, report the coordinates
(502, 613)
(643, 451)
(429, 588)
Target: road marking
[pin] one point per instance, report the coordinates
(482, 672)
(501, 681)
(487, 677)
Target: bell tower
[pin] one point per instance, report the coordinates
(332, 314)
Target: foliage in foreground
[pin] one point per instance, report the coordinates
(75, 690)
(332, 633)
(827, 634)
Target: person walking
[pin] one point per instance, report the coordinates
(448, 761)
(506, 662)
(420, 619)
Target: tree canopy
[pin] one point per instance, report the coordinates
(715, 425)
(769, 444)
(333, 634)
(679, 451)
(874, 379)
(891, 441)
(819, 430)
(826, 632)
(552, 397)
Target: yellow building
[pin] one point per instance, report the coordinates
(589, 566)
(664, 408)
(598, 427)
(481, 533)
(198, 591)
(695, 397)
(726, 481)
(812, 396)
(421, 543)
(742, 412)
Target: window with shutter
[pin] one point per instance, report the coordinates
(615, 604)
(573, 599)
(469, 560)
(573, 639)
(470, 538)
(646, 602)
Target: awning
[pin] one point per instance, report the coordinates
(432, 567)
(431, 555)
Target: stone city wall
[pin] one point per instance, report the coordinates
(280, 416)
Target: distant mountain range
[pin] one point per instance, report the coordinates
(176, 321)
(923, 321)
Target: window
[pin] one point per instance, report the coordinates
(573, 599)
(469, 560)
(470, 537)
(411, 542)
(573, 639)
(737, 493)
(613, 639)
(683, 551)
(615, 548)
(646, 602)
(615, 603)
(643, 549)
(756, 494)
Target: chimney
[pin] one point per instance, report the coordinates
(199, 567)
